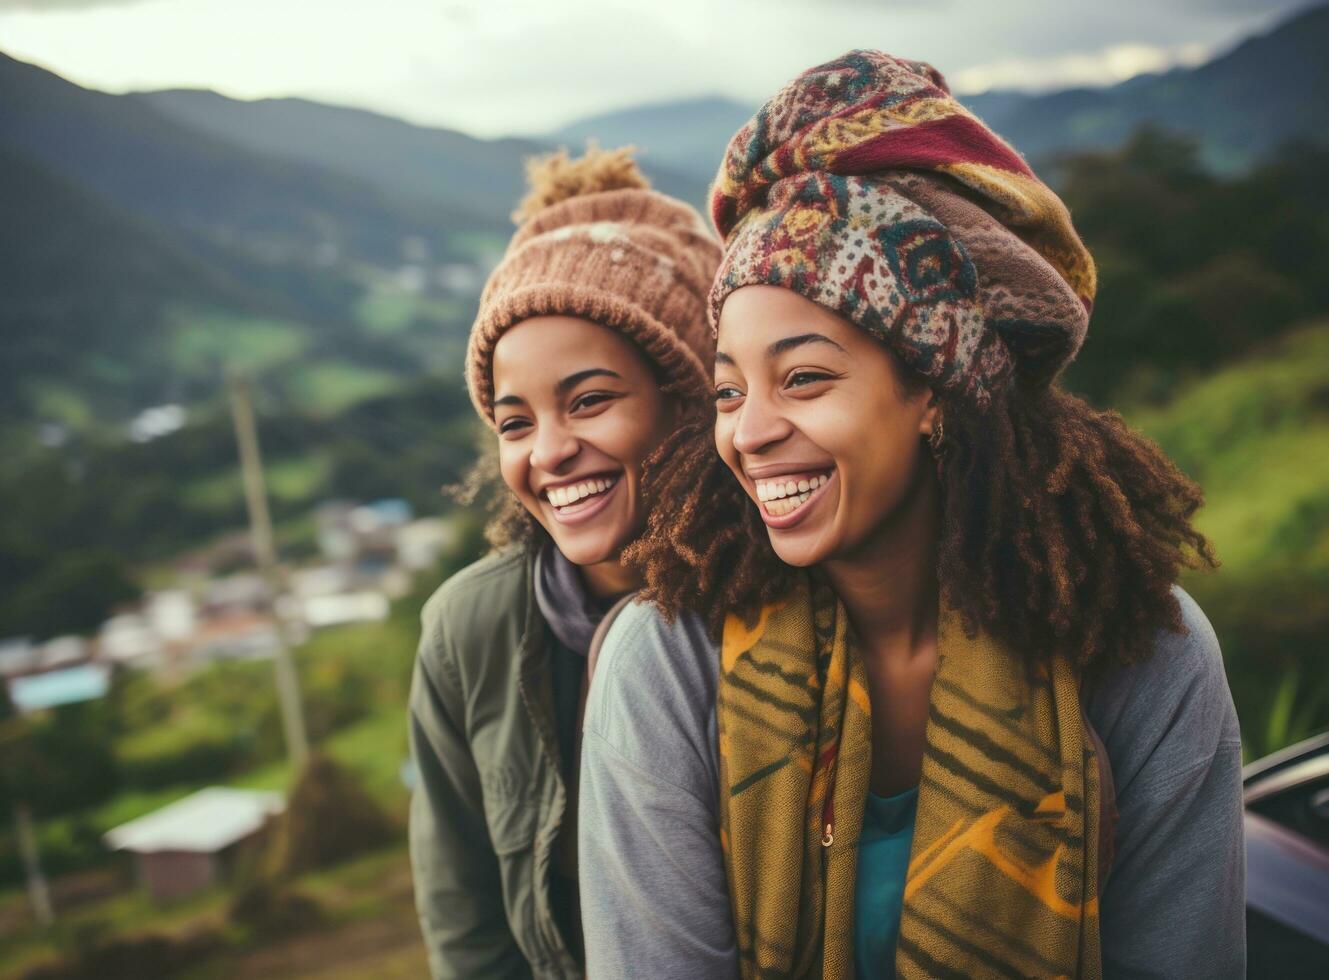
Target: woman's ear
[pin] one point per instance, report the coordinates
(931, 420)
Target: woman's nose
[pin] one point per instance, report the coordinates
(554, 446)
(759, 425)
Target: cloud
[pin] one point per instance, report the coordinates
(877, 6)
(1106, 66)
(1241, 6)
(494, 67)
(57, 6)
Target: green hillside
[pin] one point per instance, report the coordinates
(144, 256)
(277, 210)
(107, 313)
(442, 167)
(1256, 437)
(83, 527)
(84, 318)
(1194, 270)
(470, 176)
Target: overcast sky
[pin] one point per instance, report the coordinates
(497, 67)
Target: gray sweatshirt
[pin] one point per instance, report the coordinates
(654, 898)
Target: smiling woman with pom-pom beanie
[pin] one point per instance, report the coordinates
(591, 346)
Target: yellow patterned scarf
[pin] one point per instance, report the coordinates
(1003, 872)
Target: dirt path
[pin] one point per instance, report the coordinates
(385, 948)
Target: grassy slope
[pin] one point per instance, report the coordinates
(1256, 437)
(372, 747)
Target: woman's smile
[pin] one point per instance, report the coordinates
(787, 499)
(578, 501)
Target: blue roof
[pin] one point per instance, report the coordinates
(56, 687)
(391, 510)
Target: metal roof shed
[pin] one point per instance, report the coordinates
(182, 847)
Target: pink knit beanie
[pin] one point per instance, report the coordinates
(594, 241)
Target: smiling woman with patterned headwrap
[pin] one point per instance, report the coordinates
(918, 694)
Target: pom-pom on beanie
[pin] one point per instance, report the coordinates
(595, 241)
(865, 187)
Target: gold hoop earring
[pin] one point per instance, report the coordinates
(937, 440)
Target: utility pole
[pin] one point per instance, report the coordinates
(260, 529)
(38, 891)
(19, 767)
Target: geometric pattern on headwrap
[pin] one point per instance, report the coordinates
(865, 186)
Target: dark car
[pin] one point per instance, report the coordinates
(1287, 862)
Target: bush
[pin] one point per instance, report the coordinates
(269, 909)
(204, 748)
(336, 692)
(140, 956)
(328, 819)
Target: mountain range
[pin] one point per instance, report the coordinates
(1238, 107)
(439, 167)
(154, 236)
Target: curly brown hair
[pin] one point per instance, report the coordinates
(1062, 530)
(509, 524)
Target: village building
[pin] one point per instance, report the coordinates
(192, 843)
(18, 655)
(66, 685)
(129, 639)
(64, 651)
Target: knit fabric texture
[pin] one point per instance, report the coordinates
(865, 187)
(630, 259)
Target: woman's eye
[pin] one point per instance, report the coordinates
(727, 393)
(591, 399)
(511, 426)
(801, 379)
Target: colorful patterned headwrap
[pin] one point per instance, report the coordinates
(866, 187)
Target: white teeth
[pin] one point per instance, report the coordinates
(563, 496)
(779, 498)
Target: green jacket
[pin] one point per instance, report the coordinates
(490, 799)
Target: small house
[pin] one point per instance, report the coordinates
(189, 844)
(66, 685)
